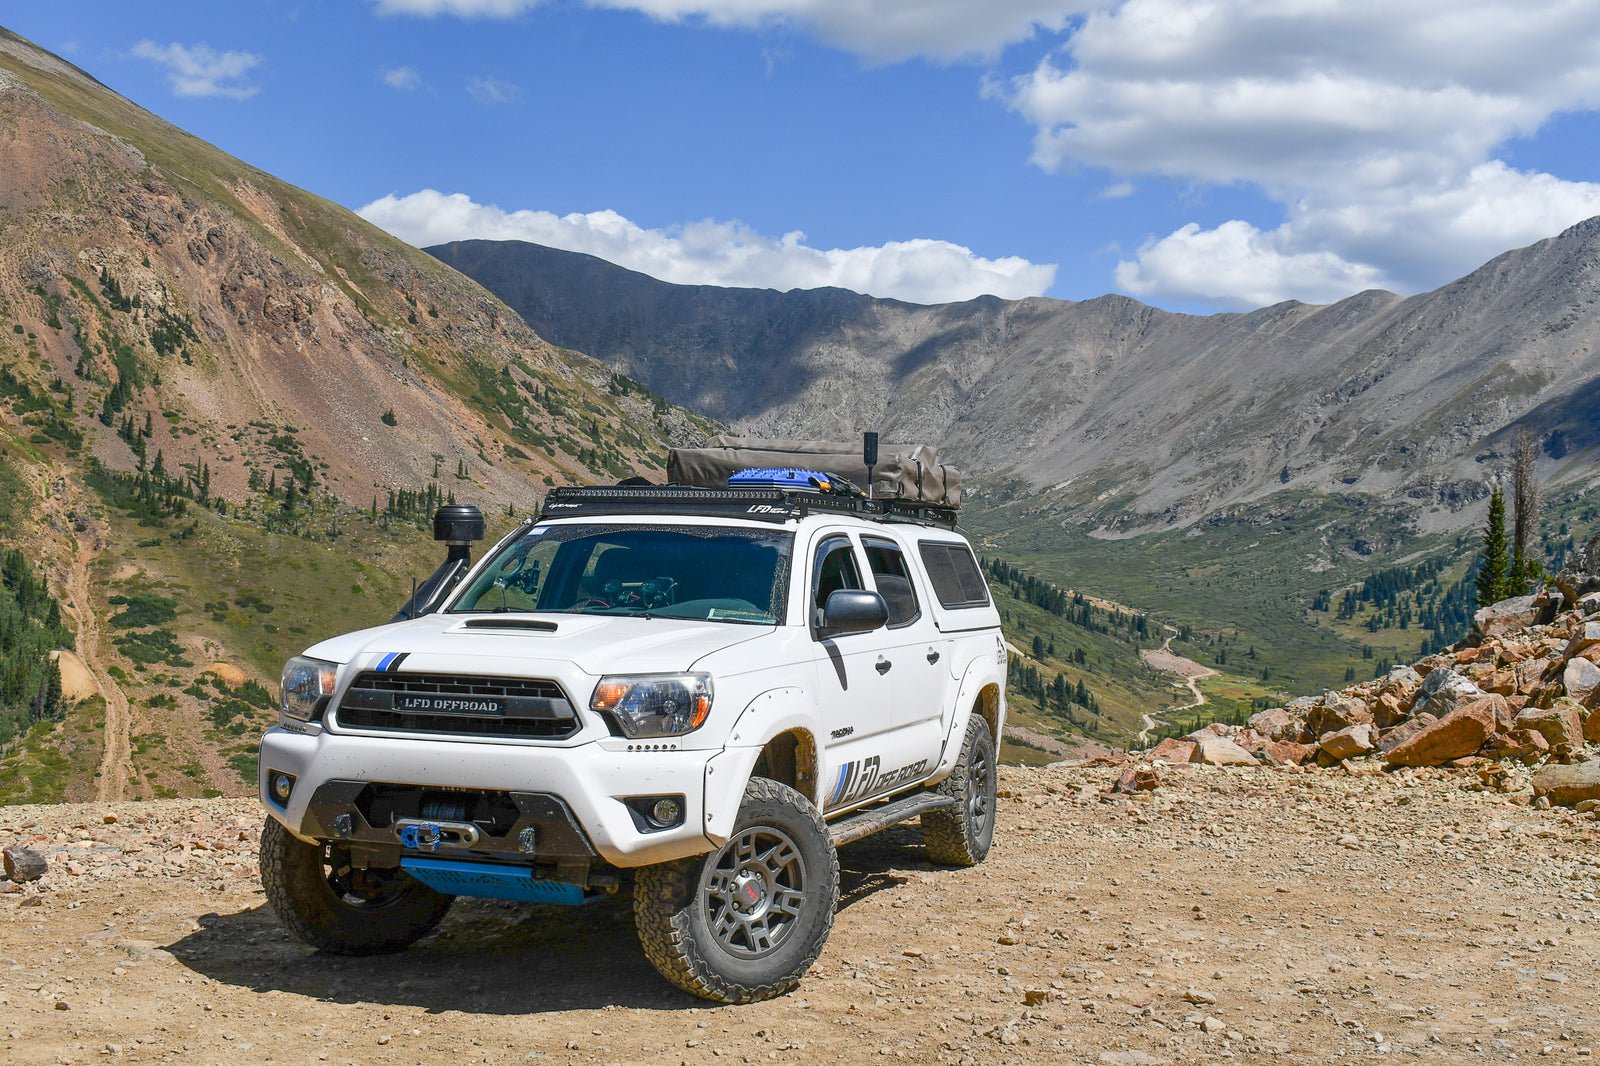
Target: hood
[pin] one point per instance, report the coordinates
(596, 644)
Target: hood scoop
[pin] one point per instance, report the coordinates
(537, 625)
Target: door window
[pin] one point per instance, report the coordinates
(890, 574)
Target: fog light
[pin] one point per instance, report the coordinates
(282, 786)
(667, 812)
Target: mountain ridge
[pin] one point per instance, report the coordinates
(1115, 409)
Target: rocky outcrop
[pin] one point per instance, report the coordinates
(1524, 692)
(1518, 612)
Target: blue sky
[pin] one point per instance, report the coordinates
(1198, 156)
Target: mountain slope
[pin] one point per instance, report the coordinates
(227, 408)
(1133, 418)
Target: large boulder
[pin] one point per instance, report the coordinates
(23, 864)
(1400, 679)
(1581, 679)
(1560, 725)
(1404, 731)
(1389, 710)
(1514, 614)
(1585, 636)
(1334, 714)
(1275, 723)
(1443, 691)
(1288, 752)
(1567, 786)
(1591, 724)
(1173, 750)
(1350, 741)
(1220, 751)
(1456, 735)
(1530, 675)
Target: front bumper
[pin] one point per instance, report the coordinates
(582, 787)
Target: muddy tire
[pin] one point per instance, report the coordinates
(320, 899)
(961, 836)
(745, 922)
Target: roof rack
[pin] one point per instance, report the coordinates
(761, 504)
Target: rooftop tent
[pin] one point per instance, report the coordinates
(910, 472)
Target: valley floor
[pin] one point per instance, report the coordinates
(1253, 915)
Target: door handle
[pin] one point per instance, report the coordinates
(882, 666)
(933, 656)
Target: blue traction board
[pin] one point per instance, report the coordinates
(779, 477)
(489, 881)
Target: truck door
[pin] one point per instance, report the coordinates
(917, 651)
(855, 688)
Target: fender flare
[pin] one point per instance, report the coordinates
(982, 673)
(774, 712)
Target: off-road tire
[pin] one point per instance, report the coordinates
(298, 885)
(960, 836)
(679, 907)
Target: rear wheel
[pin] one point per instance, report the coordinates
(745, 922)
(328, 903)
(960, 836)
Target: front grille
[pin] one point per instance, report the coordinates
(459, 705)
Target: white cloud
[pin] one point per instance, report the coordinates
(1374, 126)
(201, 70)
(1117, 191)
(881, 30)
(405, 79)
(488, 90)
(720, 253)
(1237, 263)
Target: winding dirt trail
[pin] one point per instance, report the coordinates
(116, 764)
(1192, 672)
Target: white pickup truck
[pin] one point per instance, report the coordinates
(703, 692)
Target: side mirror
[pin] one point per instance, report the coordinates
(852, 611)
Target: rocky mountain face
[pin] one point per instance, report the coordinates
(243, 298)
(1124, 418)
(227, 409)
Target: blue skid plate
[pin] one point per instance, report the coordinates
(779, 478)
(489, 882)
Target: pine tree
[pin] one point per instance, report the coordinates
(1493, 573)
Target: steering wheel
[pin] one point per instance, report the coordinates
(593, 601)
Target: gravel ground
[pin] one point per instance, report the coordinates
(1243, 914)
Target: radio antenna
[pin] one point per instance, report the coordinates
(869, 456)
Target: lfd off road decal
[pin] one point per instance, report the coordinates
(861, 778)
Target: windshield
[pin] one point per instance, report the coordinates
(706, 573)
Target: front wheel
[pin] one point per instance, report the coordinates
(961, 836)
(745, 922)
(327, 903)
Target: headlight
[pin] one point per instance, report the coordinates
(307, 684)
(654, 705)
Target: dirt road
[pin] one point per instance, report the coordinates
(1164, 658)
(1249, 914)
